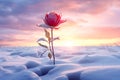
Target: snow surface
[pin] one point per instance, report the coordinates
(72, 63)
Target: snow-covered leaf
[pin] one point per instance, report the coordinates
(42, 39)
(43, 26)
(43, 45)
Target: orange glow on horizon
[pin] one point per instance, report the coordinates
(88, 42)
(69, 43)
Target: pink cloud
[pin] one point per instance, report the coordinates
(100, 33)
(24, 15)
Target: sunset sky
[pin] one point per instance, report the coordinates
(89, 22)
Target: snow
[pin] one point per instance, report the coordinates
(72, 63)
(102, 73)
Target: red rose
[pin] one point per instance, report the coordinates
(53, 19)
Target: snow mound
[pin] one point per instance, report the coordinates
(15, 68)
(81, 63)
(24, 75)
(63, 77)
(107, 73)
(32, 64)
(42, 70)
(99, 59)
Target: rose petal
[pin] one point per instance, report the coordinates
(53, 19)
(62, 21)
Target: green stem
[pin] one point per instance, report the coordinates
(52, 46)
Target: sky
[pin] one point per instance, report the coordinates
(89, 22)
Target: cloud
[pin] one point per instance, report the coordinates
(20, 14)
(19, 7)
(19, 17)
(95, 6)
(8, 35)
(83, 6)
(99, 33)
(24, 14)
